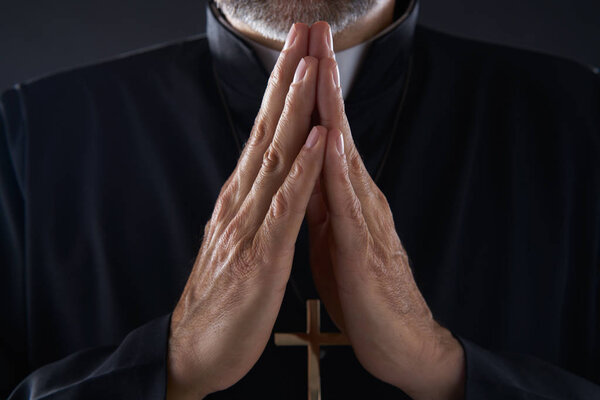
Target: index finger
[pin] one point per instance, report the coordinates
(330, 103)
(330, 106)
(295, 48)
(321, 41)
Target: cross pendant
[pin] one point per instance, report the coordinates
(313, 339)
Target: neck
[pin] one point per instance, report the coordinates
(369, 25)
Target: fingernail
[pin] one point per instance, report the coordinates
(335, 74)
(290, 37)
(339, 144)
(313, 137)
(300, 71)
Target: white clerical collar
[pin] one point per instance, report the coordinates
(348, 60)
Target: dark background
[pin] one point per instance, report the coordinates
(37, 38)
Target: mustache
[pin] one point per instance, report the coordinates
(273, 18)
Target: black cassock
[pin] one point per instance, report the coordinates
(491, 167)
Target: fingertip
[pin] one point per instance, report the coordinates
(320, 40)
(321, 24)
(323, 29)
(313, 137)
(301, 29)
(317, 137)
(306, 70)
(298, 38)
(301, 25)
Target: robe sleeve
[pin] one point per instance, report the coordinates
(494, 376)
(136, 369)
(12, 316)
(133, 369)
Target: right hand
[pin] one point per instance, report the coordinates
(228, 308)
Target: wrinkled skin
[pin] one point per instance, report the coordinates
(226, 313)
(360, 268)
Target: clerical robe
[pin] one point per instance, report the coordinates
(489, 157)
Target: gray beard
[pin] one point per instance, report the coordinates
(273, 18)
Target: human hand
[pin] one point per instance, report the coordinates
(226, 313)
(360, 267)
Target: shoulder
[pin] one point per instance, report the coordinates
(479, 57)
(116, 95)
(74, 99)
(524, 86)
(505, 70)
(184, 57)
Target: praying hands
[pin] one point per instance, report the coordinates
(289, 170)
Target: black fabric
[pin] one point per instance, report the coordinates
(109, 173)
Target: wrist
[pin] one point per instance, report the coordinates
(438, 371)
(183, 385)
(184, 377)
(449, 371)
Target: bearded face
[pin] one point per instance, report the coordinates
(273, 18)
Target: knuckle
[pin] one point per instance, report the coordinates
(222, 207)
(224, 203)
(296, 104)
(285, 53)
(279, 205)
(226, 185)
(290, 99)
(277, 75)
(286, 120)
(272, 160)
(259, 131)
(259, 250)
(296, 172)
(234, 183)
(244, 261)
(229, 235)
(231, 186)
(232, 233)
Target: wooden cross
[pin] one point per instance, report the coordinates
(313, 339)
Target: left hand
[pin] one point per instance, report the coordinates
(360, 267)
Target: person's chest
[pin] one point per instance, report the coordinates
(118, 197)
